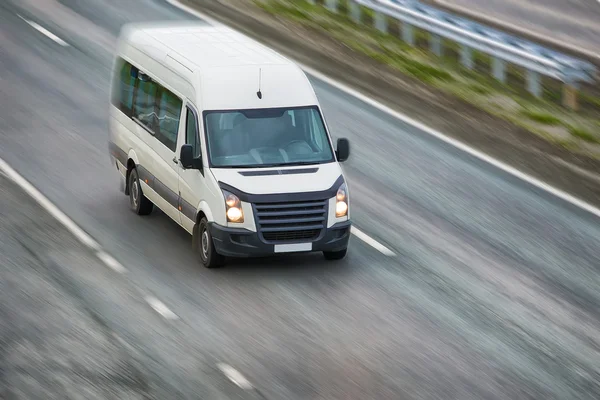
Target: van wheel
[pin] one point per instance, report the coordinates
(205, 247)
(139, 203)
(335, 255)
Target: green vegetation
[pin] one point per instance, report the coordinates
(584, 135)
(541, 117)
(479, 89)
(510, 101)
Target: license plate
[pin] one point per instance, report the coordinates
(291, 248)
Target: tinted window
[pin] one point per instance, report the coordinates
(191, 132)
(123, 86)
(168, 118)
(144, 109)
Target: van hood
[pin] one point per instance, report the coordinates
(306, 178)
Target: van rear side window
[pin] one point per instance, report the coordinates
(123, 86)
(153, 106)
(144, 109)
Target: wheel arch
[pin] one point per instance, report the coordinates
(203, 210)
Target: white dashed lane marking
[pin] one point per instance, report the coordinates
(111, 262)
(45, 32)
(161, 308)
(235, 376)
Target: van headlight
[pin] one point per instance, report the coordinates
(233, 208)
(341, 201)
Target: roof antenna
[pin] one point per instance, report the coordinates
(259, 93)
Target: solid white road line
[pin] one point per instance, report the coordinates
(161, 308)
(453, 142)
(48, 206)
(235, 376)
(45, 32)
(371, 242)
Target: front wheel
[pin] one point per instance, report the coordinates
(139, 203)
(205, 247)
(335, 255)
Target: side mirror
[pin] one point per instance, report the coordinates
(186, 156)
(343, 149)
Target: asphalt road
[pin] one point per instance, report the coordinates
(573, 22)
(493, 292)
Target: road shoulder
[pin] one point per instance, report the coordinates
(53, 344)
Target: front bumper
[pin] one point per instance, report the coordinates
(235, 242)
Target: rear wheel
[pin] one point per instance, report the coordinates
(205, 247)
(335, 255)
(139, 203)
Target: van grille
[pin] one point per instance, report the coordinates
(291, 221)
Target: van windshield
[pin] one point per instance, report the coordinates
(267, 137)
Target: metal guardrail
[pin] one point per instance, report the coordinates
(503, 48)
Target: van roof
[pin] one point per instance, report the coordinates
(225, 67)
(203, 46)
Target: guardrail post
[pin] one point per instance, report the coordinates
(534, 84)
(355, 11)
(499, 69)
(435, 43)
(332, 5)
(380, 22)
(569, 97)
(408, 34)
(466, 57)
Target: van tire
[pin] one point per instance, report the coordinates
(335, 255)
(205, 247)
(137, 200)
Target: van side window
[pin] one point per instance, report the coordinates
(191, 132)
(168, 118)
(144, 109)
(123, 86)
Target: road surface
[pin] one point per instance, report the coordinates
(575, 23)
(492, 292)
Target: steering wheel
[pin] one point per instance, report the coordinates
(257, 151)
(267, 149)
(301, 142)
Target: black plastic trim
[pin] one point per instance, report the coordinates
(163, 191)
(145, 175)
(187, 209)
(279, 172)
(236, 242)
(118, 153)
(283, 197)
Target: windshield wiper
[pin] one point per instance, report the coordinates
(289, 164)
(304, 163)
(273, 165)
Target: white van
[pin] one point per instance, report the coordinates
(227, 138)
